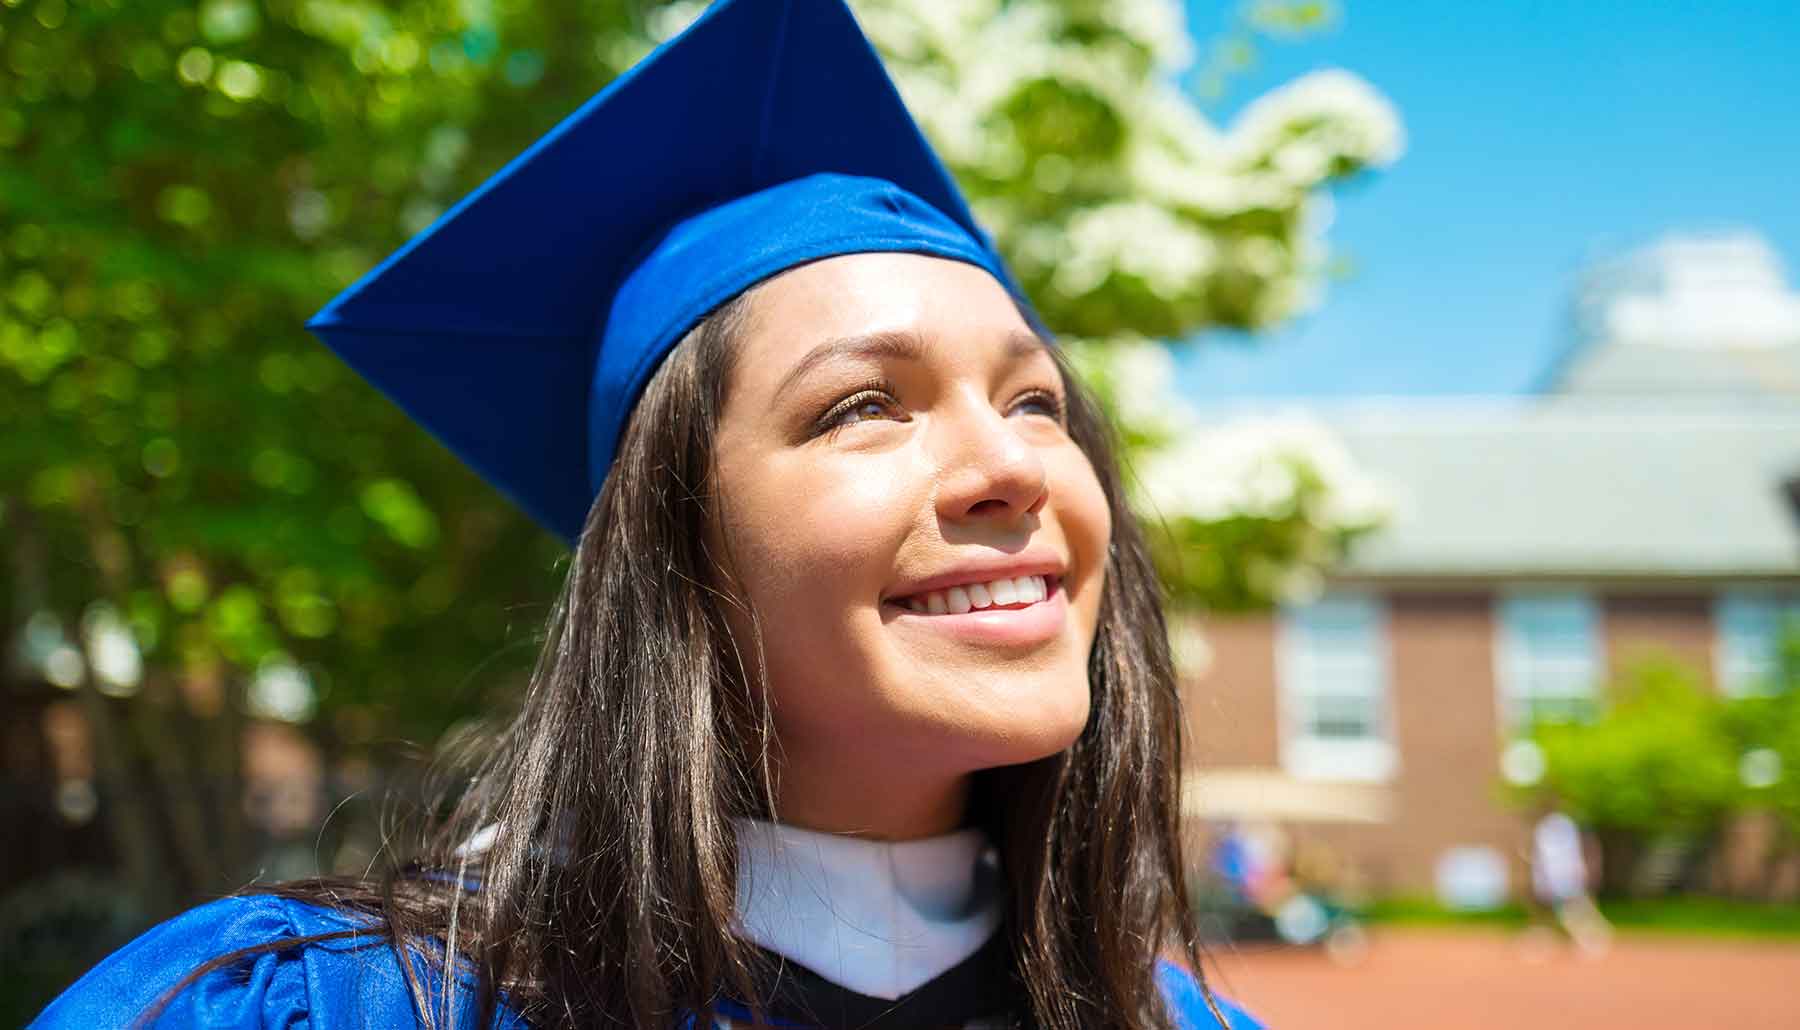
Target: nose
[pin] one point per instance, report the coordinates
(989, 471)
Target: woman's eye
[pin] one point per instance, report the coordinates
(1040, 402)
(867, 406)
(866, 410)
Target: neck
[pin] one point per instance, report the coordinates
(879, 801)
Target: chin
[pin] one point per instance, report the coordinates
(1024, 726)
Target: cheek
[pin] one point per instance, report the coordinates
(815, 535)
(814, 546)
(1085, 519)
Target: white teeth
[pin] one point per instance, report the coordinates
(970, 596)
(1004, 591)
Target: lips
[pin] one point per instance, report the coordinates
(1017, 604)
(986, 569)
(1006, 592)
(1018, 627)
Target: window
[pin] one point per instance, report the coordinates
(1749, 627)
(1333, 671)
(1549, 659)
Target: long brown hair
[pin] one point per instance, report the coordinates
(605, 893)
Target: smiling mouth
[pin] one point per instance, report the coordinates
(1006, 594)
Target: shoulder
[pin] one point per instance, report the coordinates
(350, 980)
(1188, 1003)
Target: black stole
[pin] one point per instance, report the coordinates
(979, 989)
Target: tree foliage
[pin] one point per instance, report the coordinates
(1670, 759)
(1123, 209)
(181, 185)
(1243, 513)
(1658, 760)
(1764, 727)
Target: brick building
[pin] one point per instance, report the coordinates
(1645, 500)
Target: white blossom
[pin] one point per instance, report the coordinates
(1159, 26)
(1332, 111)
(1254, 466)
(112, 651)
(1259, 466)
(1135, 238)
(283, 691)
(667, 21)
(1176, 178)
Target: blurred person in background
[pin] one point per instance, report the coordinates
(1559, 884)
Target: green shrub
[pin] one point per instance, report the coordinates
(1658, 761)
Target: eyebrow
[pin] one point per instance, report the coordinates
(901, 345)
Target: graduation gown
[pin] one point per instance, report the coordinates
(863, 933)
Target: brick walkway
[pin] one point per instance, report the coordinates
(1481, 980)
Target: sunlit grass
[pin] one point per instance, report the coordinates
(1723, 917)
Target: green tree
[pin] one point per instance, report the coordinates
(1764, 727)
(181, 185)
(1657, 765)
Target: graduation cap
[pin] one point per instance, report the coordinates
(521, 327)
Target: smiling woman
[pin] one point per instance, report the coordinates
(857, 707)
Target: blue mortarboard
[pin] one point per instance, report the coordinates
(522, 326)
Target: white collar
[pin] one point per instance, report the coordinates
(880, 918)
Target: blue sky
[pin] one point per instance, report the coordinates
(1540, 134)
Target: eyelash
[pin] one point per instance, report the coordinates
(880, 390)
(1048, 399)
(834, 418)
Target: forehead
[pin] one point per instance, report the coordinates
(853, 295)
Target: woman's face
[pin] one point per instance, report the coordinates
(901, 503)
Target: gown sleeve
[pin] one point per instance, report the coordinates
(1188, 1004)
(268, 990)
(351, 982)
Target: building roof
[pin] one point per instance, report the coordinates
(1758, 374)
(1578, 486)
(1692, 315)
(1664, 443)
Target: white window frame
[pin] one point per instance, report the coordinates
(1745, 662)
(1372, 759)
(1516, 666)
